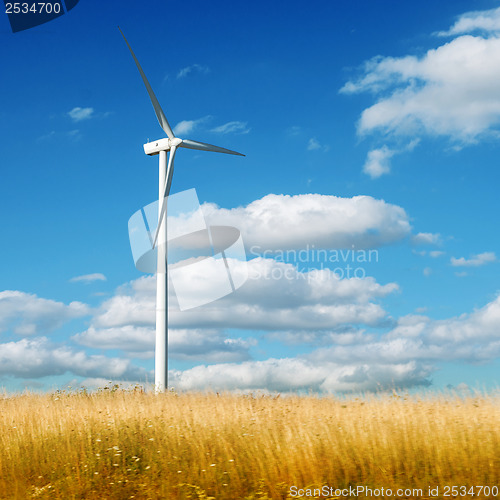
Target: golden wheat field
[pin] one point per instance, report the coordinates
(130, 444)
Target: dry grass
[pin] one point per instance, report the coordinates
(136, 445)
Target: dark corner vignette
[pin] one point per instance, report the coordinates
(28, 14)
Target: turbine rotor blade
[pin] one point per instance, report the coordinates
(162, 120)
(201, 146)
(166, 192)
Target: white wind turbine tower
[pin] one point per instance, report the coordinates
(160, 147)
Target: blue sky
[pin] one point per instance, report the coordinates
(373, 124)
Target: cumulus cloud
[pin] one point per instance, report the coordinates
(193, 68)
(183, 344)
(344, 336)
(475, 261)
(281, 375)
(377, 162)
(88, 278)
(276, 297)
(39, 357)
(346, 360)
(313, 219)
(470, 337)
(405, 357)
(483, 20)
(27, 314)
(79, 114)
(451, 91)
(234, 127)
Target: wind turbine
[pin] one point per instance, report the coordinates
(166, 170)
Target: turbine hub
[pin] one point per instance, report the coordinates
(154, 148)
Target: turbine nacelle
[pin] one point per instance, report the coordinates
(154, 148)
(171, 143)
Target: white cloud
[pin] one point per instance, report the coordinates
(314, 220)
(27, 314)
(351, 360)
(183, 344)
(79, 114)
(405, 357)
(347, 360)
(483, 20)
(427, 271)
(39, 357)
(88, 278)
(468, 337)
(427, 239)
(377, 162)
(276, 297)
(281, 375)
(187, 126)
(344, 336)
(234, 127)
(451, 91)
(194, 68)
(475, 261)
